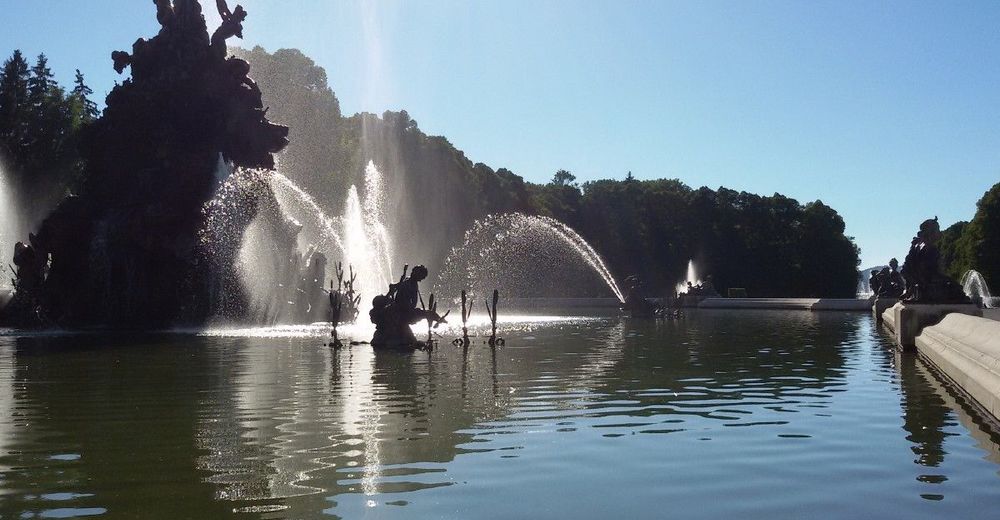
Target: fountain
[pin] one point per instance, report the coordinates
(9, 224)
(523, 256)
(289, 239)
(974, 286)
(690, 279)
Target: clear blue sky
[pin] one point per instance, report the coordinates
(887, 111)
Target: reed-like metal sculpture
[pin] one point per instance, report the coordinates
(350, 299)
(466, 313)
(432, 318)
(336, 308)
(492, 312)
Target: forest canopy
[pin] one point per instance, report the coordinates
(770, 245)
(40, 127)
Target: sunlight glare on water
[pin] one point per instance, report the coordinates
(751, 414)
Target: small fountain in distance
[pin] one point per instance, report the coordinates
(526, 256)
(690, 279)
(974, 286)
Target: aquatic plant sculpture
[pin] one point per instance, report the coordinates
(492, 312)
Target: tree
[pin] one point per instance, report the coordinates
(81, 92)
(39, 129)
(563, 178)
(978, 247)
(40, 83)
(13, 105)
(829, 259)
(954, 261)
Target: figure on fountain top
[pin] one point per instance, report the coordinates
(635, 302)
(925, 283)
(394, 312)
(888, 283)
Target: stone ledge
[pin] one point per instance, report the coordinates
(810, 304)
(967, 350)
(879, 306)
(908, 319)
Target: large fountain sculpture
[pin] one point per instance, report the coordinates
(925, 282)
(125, 252)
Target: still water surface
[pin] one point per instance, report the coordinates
(719, 415)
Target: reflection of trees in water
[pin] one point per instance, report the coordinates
(111, 419)
(251, 422)
(748, 356)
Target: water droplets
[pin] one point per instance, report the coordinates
(526, 255)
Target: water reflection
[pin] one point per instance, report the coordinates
(734, 404)
(104, 425)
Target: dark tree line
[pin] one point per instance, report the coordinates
(770, 245)
(40, 124)
(975, 244)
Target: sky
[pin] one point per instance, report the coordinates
(887, 111)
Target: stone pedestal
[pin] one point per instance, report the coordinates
(907, 319)
(879, 306)
(690, 300)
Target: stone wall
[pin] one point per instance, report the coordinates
(967, 350)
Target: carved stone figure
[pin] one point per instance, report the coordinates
(888, 283)
(875, 281)
(125, 252)
(925, 283)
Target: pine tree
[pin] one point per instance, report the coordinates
(82, 93)
(40, 82)
(13, 104)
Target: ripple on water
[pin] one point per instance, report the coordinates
(585, 418)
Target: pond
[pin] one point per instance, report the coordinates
(721, 414)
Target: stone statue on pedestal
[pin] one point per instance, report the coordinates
(925, 283)
(888, 283)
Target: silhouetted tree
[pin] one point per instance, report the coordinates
(81, 94)
(976, 244)
(770, 245)
(563, 178)
(39, 130)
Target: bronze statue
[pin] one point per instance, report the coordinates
(164, 12)
(151, 165)
(888, 283)
(635, 302)
(394, 312)
(925, 283)
(232, 25)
